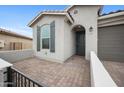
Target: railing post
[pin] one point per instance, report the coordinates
(9, 77)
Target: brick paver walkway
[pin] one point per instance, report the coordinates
(75, 72)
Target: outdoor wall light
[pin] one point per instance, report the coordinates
(91, 29)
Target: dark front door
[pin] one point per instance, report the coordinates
(80, 43)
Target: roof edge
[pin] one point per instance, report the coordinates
(68, 8)
(49, 13)
(56, 12)
(111, 15)
(8, 32)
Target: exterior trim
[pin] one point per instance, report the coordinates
(50, 13)
(68, 8)
(111, 15)
(99, 12)
(112, 19)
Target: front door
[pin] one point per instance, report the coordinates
(80, 43)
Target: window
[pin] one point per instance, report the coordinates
(45, 36)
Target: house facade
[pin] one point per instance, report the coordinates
(58, 35)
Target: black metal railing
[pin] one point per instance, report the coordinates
(18, 79)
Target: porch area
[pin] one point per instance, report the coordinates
(75, 72)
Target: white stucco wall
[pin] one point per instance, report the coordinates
(69, 41)
(87, 17)
(58, 56)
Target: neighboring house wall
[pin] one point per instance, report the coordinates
(58, 56)
(87, 17)
(26, 43)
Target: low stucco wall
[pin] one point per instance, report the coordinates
(99, 75)
(16, 55)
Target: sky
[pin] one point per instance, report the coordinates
(16, 18)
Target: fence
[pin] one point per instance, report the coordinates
(18, 79)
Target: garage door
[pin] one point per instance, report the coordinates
(111, 43)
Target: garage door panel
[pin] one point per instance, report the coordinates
(116, 43)
(112, 49)
(107, 37)
(112, 57)
(110, 36)
(111, 43)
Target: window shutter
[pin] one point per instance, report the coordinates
(38, 38)
(52, 37)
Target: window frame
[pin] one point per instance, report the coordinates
(41, 38)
